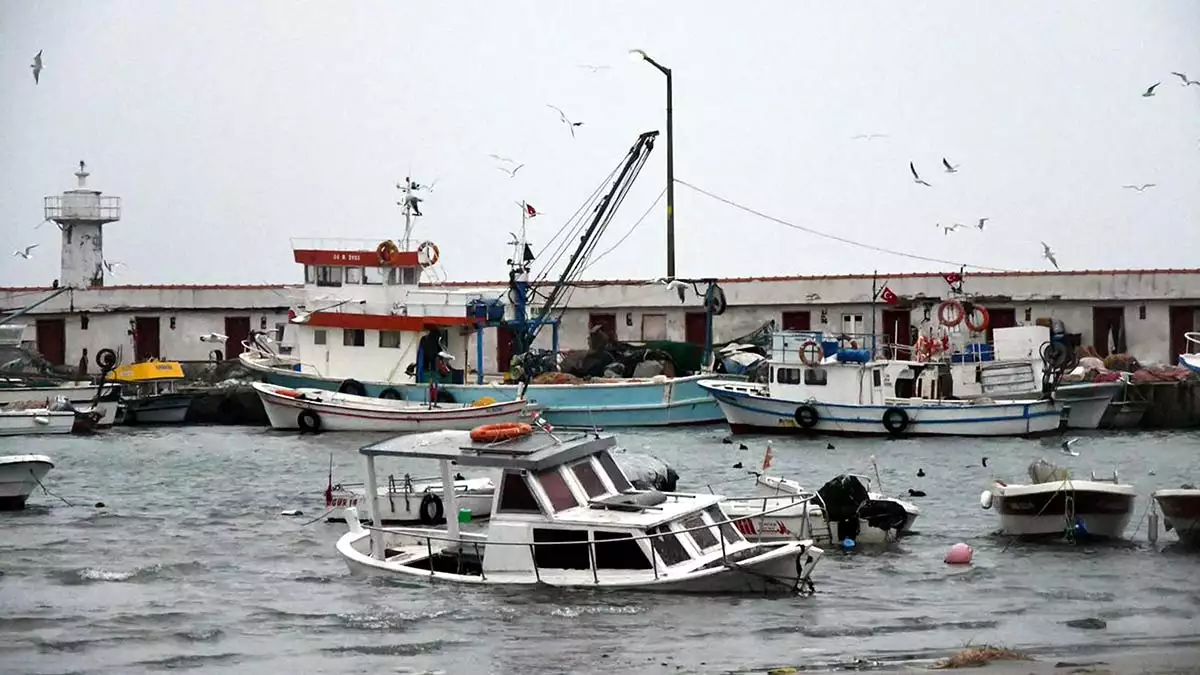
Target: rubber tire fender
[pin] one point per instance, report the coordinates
(353, 387)
(308, 421)
(806, 417)
(895, 420)
(431, 510)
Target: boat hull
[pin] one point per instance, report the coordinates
(1190, 361)
(1181, 513)
(36, 422)
(155, 410)
(1087, 402)
(19, 476)
(630, 403)
(751, 413)
(83, 396)
(1046, 509)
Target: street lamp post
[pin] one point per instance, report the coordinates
(643, 56)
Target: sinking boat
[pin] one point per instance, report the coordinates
(1181, 512)
(1054, 504)
(408, 500)
(19, 476)
(566, 515)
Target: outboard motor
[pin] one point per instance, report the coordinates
(842, 497)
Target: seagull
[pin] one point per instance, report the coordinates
(676, 285)
(812, 296)
(422, 186)
(37, 67)
(511, 172)
(947, 229)
(1185, 79)
(867, 137)
(562, 116)
(981, 222)
(594, 69)
(916, 176)
(1138, 188)
(111, 266)
(27, 253)
(214, 337)
(1150, 90)
(1049, 255)
(501, 158)
(1066, 447)
(984, 462)
(950, 168)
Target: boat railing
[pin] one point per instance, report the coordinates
(426, 536)
(409, 485)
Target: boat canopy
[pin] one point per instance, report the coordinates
(147, 371)
(532, 452)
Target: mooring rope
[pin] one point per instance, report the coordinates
(47, 490)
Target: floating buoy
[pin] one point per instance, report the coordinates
(849, 543)
(291, 512)
(959, 554)
(985, 499)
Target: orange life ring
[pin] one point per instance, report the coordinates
(956, 316)
(985, 319)
(429, 251)
(386, 250)
(492, 433)
(804, 353)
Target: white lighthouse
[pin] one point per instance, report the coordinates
(81, 215)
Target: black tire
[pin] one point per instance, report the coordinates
(392, 394)
(806, 417)
(895, 420)
(352, 387)
(432, 511)
(716, 304)
(308, 421)
(106, 359)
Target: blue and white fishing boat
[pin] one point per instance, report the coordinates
(814, 386)
(1191, 358)
(372, 319)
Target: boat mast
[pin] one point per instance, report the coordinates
(407, 206)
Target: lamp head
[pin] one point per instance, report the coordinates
(638, 55)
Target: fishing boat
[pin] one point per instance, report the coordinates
(17, 419)
(1053, 504)
(150, 393)
(1191, 358)
(102, 399)
(816, 386)
(315, 410)
(1181, 512)
(565, 515)
(20, 475)
(374, 322)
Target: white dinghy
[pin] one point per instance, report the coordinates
(19, 476)
(566, 515)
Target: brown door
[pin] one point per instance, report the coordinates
(694, 328)
(1182, 320)
(237, 329)
(1108, 324)
(145, 338)
(504, 348)
(1000, 317)
(52, 340)
(797, 320)
(895, 329)
(606, 322)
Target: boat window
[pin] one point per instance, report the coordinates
(409, 276)
(319, 336)
(515, 495)
(704, 538)
(557, 490)
(561, 549)
(877, 378)
(354, 337)
(310, 274)
(787, 375)
(728, 531)
(373, 275)
(588, 478)
(354, 275)
(667, 546)
(619, 551)
(390, 339)
(619, 481)
(816, 376)
(329, 276)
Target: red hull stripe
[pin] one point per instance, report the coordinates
(412, 324)
(354, 258)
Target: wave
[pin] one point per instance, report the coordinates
(190, 661)
(153, 572)
(387, 620)
(408, 649)
(572, 612)
(909, 625)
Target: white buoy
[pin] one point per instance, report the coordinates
(42, 420)
(985, 499)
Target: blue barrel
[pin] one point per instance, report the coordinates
(854, 355)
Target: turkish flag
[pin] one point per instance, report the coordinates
(888, 296)
(953, 278)
(530, 211)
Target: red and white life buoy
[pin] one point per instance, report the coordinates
(428, 254)
(810, 353)
(984, 319)
(951, 313)
(386, 250)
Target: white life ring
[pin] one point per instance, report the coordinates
(1193, 338)
(428, 254)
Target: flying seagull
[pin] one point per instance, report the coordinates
(867, 137)
(947, 229)
(214, 337)
(916, 176)
(1185, 79)
(594, 69)
(511, 172)
(1049, 255)
(501, 158)
(950, 168)
(37, 67)
(1138, 188)
(562, 116)
(1150, 90)
(1066, 447)
(676, 285)
(981, 222)
(27, 253)
(110, 267)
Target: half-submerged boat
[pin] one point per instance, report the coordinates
(19, 476)
(1054, 504)
(812, 388)
(408, 500)
(1181, 512)
(565, 515)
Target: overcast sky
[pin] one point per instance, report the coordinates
(229, 127)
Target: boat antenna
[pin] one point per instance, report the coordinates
(407, 204)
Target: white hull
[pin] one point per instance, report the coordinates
(344, 412)
(148, 411)
(1181, 513)
(1053, 509)
(81, 395)
(747, 411)
(19, 477)
(1087, 402)
(35, 422)
(399, 506)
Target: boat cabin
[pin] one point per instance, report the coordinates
(149, 378)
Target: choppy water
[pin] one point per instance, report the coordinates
(191, 566)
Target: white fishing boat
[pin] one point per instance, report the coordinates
(83, 396)
(37, 421)
(1181, 512)
(316, 410)
(19, 476)
(846, 392)
(566, 516)
(409, 500)
(844, 508)
(1055, 504)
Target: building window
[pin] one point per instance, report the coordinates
(852, 324)
(390, 339)
(354, 337)
(319, 336)
(329, 276)
(373, 275)
(83, 321)
(1029, 314)
(354, 275)
(654, 327)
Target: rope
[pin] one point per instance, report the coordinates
(47, 490)
(327, 512)
(834, 237)
(626, 235)
(1065, 483)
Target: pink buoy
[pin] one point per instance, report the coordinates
(959, 554)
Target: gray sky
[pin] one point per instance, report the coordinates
(228, 127)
